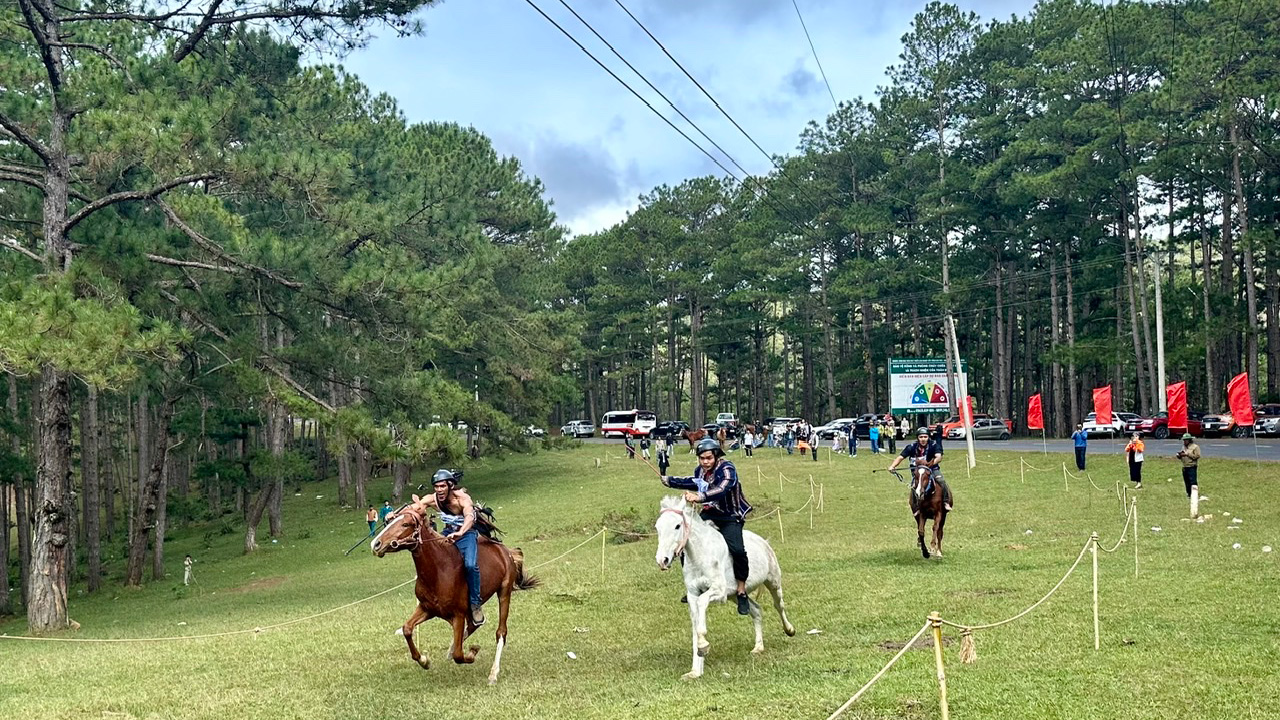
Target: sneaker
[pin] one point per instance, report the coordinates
(477, 615)
(684, 599)
(744, 605)
(1138, 486)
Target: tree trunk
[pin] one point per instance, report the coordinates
(145, 516)
(868, 362)
(1249, 279)
(1055, 338)
(162, 511)
(363, 463)
(1073, 382)
(21, 501)
(47, 589)
(1140, 278)
(697, 390)
(254, 516)
(276, 426)
(1143, 391)
(6, 602)
(402, 470)
(89, 471)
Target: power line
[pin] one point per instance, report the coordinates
(815, 53)
(762, 191)
(800, 190)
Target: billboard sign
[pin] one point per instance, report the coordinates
(919, 385)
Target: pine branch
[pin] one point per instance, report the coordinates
(162, 260)
(16, 131)
(265, 363)
(18, 247)
(217, 250)
(149, 194)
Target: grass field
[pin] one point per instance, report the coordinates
(1195, 635)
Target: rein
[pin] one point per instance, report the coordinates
(684, 535)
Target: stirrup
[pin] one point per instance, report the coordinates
(744, 604)
(477, 615)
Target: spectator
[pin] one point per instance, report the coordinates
(903, 428)
(875, 437)
(748, 441)
(853, 439)
(644, 447)
(372, 518)
(813, 443)
(1081, 440)
(631, 449)
(1190, 457)
(890, 431)
(662, 447)
(187, 577)
(1134, 451)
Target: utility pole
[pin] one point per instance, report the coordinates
(1162, 400)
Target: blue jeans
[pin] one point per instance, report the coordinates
(467, 546)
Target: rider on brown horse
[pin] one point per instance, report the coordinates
(458, 514)
(929, 453)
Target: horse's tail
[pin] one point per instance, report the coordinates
(523, 581)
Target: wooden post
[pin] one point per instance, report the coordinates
(1064, 478)
(936, 621)
(782, 535)
(1195, 501)
(1022, 469)
(1093, 548)
(1134, 505)
(604, 534)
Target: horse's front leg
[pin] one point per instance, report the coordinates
(757, 617)
(417, 618)
(459, 623)
(920, 520)
(938, 522)
(698, 660)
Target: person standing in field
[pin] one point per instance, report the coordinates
(384, 511)
(748, 442)
(1081, 440)
(186, 569)
(875, 437)
(644, 446)
(371, 517)
(1190, 457)
(1134, 452)
(660, 447)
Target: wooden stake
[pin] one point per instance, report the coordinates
(936, 620)
(1093, 548)
(1135, 536)
(782, 535)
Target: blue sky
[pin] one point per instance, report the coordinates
(499, 66)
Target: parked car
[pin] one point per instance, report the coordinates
(1119, 420)
(780, 424)
(839, 425)
(534, 431)
(578, 428)
(955, 422)
(1218, 424)
(669, 429)
(988, 428)
(1266, 420)
(726, 419)
(1157, 426)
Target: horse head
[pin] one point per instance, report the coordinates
(403, 531)
(923, 480)
(673, 530)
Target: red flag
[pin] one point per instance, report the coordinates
(966, 410)
(1102, 405)
(1239, 400)
(1035, 416)
(1176, 396)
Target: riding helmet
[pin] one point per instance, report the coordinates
(706, 444)
(922, 431)
(450, 476)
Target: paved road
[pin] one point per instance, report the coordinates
(1267, 449)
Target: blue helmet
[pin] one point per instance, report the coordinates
(706, 444)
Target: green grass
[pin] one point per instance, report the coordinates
(1194, 635)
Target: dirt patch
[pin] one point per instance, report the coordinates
(979, 593)
(922, 643)
(1015, 546)
(262, 584)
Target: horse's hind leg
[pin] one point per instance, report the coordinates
(757, 618)
(504, 606)
(774, 584)
(419, 615)
(938, 522)
(698, 660)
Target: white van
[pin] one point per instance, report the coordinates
(635, 423)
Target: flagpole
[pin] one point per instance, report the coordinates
(1043, 440)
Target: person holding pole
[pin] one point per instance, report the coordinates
(1134, 451)
(1190, 457)
(714, 484)
(924, 451)
(1081, 440)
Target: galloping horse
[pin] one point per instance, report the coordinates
(708, 571)
(442, 586)
(693, 436)
(928, 497)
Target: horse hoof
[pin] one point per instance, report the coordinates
(493, 681)
(790, 631)
(691, 675)
(757, 650)
(703, 649)
(424, 662)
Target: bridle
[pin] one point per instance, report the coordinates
(416, 538)
(684, 534)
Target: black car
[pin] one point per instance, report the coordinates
(669, 429)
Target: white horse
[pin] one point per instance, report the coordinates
(708, 571)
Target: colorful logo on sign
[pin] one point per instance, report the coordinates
(929, 393)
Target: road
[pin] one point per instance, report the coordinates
(1267, 449)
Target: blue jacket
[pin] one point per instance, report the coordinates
(1081, 438)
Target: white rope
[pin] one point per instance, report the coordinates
(1032, 467)
(1037, 604)
(848, 703)
(566, 552)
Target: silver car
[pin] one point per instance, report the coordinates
(983, 429)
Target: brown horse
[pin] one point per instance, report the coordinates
(926, 498)
(442, 586)
(693, 436)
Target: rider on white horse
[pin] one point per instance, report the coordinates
(715, 485)
(928, 453)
